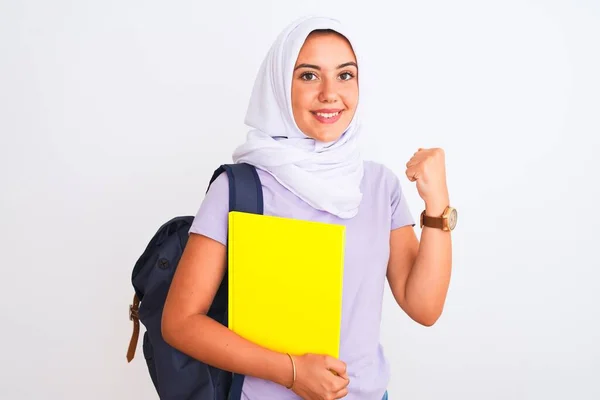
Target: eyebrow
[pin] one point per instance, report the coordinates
(350, 63)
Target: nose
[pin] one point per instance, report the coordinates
(328, 93)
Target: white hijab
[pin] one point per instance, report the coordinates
(325, 175)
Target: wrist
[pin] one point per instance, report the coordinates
(293, 361)
(436, 208)
(283, 370)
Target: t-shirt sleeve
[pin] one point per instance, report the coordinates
(211, 220)
(401, 213)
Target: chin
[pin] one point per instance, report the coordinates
(326, 137)
(327, 134)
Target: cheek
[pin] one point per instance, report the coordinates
(302, 103)
(350, 97)
(302, 99)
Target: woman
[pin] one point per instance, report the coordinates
(304, 111)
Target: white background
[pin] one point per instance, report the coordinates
(114, 114)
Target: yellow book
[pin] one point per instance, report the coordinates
(285, 282)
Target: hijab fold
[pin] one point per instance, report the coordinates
(327, 176)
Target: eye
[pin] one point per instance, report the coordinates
(346, 76)
(308, 76)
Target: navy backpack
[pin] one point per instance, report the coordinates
(175, 375)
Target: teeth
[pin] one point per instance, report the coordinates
(328, 115)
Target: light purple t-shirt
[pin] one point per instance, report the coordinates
(382, 209)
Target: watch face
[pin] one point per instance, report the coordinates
(452, 218)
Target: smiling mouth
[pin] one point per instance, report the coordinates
(327, 117)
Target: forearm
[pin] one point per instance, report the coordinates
(206, 340)
(429, 278)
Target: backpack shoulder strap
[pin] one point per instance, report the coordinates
(245, 195)
(245, 188)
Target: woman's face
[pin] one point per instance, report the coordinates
(325, 86)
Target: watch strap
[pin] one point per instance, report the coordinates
(432, 222)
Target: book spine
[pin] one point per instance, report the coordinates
(228, 265)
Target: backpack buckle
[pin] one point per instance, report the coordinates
(134, 316)
(133, 312)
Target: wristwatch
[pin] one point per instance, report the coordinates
(446, 222)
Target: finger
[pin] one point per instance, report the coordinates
(335, 365)
(412, 174)
(341, 394)
(412, 162)
(340, 383)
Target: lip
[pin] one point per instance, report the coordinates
(324, 120)
(327, 110)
